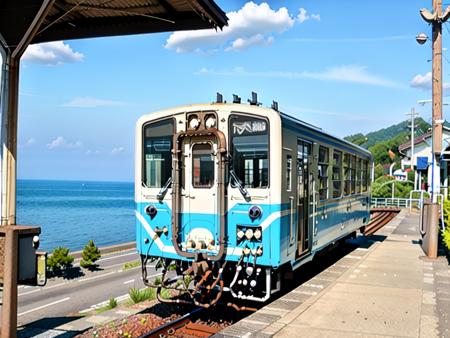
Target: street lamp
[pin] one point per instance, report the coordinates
(421, 38)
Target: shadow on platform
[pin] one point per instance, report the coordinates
(48, 327)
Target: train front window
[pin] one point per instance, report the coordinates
(202, 166)
(249, 147)
(157, 153)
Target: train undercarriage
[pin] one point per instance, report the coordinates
(203, 282)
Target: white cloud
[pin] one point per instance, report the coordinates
(117, 150)
(242, 43)
(30, 142)
(346, 73)
(421, 81)
(52, 53)
(424, 82)
(60, 142)
(92, 152)
(251, 25)
(90, 102)
(304, 16)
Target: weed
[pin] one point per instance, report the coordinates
(131, 265)
(138, 296)
(112, 303)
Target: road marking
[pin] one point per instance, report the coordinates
(44, 306)
(128, 281)
(95, 277)
(104, 303)
(112, 257)
(156, 275)
(27, 293)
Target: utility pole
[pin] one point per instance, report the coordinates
(436, 19)
(413, 115)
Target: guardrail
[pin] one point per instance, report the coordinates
(409, 203)
(396, 202)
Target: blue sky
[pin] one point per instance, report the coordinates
(346, 66)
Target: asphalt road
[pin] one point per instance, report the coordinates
(81, 291)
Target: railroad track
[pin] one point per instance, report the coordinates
(186, 325)
(379, 218)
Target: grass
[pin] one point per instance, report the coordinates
(111, 305)
(138, 296)
(131, 265)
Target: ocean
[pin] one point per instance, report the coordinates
(70, 213)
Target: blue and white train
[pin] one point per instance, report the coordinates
(230, 196)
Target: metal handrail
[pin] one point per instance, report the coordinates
(396, 201)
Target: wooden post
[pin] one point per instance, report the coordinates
(10, 275)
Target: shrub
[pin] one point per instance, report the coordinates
(112, 303)
(446, 231)
(59, 260)
(90, 255)
(165, 293)
(382, 187)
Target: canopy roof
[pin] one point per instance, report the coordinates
(76, 19)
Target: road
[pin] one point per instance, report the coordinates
(62, 297)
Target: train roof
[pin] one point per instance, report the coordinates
(264, 111)
(316, 129)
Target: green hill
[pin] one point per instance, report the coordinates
(381, 141)
(386, 134)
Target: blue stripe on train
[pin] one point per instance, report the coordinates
(277, 245)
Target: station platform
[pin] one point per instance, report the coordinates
(385, 287)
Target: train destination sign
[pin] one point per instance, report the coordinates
(249, 127)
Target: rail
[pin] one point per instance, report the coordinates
(379, 217)
(186, 323)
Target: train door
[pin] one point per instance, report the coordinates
(199, 191)
(304, 196)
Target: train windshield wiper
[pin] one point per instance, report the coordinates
(164, 189)
(240, 186)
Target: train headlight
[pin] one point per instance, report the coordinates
(249, 234)
(254, 212)
(190, 244)
(210, 122)
(151, 211)
(240, 234)
(194, 123)
(258, 234)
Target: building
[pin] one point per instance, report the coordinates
(422, 161)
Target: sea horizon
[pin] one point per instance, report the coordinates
(71, 212)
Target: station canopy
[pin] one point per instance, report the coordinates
(77, 19)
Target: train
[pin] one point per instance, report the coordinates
(232, 197)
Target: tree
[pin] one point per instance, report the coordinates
(90, 254)
(59, 260)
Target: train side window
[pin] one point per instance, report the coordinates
(365, 176)
(202, 166)
(249, 147)
(353, 173)
(323, 173)
(358, 175)
(157, 161)
(337, 179)
(288, 172)
(347, 174)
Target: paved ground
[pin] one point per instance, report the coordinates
(383, 288)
